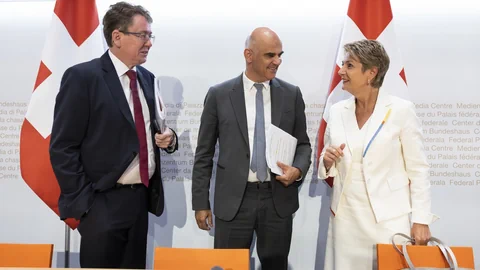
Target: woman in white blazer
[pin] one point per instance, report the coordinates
(374, 151)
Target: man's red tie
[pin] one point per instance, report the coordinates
(140, 127)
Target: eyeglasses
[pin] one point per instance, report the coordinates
(143, 36)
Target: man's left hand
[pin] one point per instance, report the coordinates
(290, 174)
(164, 140)
(421, 234)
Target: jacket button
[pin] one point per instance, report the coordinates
(248, 155)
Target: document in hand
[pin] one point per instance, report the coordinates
(281, 147)
(160, 111)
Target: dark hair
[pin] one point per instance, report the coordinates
(119, 16)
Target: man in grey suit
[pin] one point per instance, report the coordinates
(248, 197)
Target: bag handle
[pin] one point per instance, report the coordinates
(408, 240)
(404, 252)
(446, 251)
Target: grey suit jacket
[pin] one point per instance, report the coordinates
(224, 119)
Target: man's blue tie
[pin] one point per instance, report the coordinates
(259, 162)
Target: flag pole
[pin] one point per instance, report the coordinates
(67, 246)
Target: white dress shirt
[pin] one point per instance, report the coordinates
(132, 173)
(250, 93)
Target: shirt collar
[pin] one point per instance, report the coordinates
(119, 66)
(248, 84)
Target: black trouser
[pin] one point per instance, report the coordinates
(114, 231)
(257, 214)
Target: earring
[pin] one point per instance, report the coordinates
(368, 81)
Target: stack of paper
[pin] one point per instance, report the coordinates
(281, 146)
(160, 111)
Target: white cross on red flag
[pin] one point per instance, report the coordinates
(366, 19)
(74, 37)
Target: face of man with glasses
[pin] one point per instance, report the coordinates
(135, 42)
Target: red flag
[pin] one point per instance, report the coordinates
(366, 19)
(74, 36)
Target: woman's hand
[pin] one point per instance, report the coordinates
(420, 233)
(332, 154)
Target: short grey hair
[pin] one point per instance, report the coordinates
(370, 53)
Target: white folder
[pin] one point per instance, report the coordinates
(160, 111)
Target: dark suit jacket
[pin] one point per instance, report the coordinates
(94, 138)
(224, 118)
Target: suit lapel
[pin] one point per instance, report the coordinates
(349, 123)
(381, 109)
(146, 90)
(115, 87)
(276, 95)
(237, 97)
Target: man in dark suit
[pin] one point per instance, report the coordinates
(248, 197)
(104, 145)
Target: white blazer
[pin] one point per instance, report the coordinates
(395, 166)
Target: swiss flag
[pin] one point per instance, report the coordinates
(74, 37)
(366, 19)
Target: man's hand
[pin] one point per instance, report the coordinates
(290, 174)
(421, 233)
(204, 219)
(164, 140)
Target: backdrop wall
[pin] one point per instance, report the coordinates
(200, 43)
